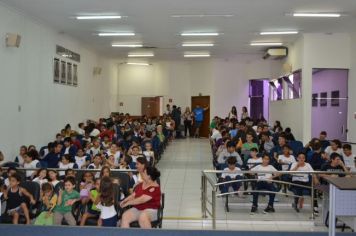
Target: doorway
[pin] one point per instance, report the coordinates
(203, 101)
(259, 99)
(150, 106)
(330, 102)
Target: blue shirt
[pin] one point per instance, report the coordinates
(199, 114)
(50, 160)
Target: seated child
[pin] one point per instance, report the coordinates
(66, 163)
(41, 177)
(92, 210)
(10, 171)
(149, 153)
(53, 177)
(31, 161)
(349, 158)
(15, 201)
(82, 160)
(264, 183)
(65, 201)
(96, 164)
(49, 201)
(230, 174)
(86, 185)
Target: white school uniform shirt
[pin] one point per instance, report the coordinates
(216, 135)
(288, 160)
(94, 133)
(80, 161)
(148, 155)
(350, 161)
(40, 181)
(92, 166)
(106, 212)
(329, 151)
(66, 151)
(21, 160)
(264, 176)
(94, 150)
(81, 131)
(117, 156)
(301, 177)
(0, 202)
(254, 162)
(32, 164)
(64, 166)
(54, 183)
(231, 173)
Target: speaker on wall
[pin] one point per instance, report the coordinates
(13, 40)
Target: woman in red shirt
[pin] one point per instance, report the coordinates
(145, 201)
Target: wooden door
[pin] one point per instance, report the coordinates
(150, 106)
(203, 101)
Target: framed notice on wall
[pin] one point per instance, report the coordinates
(315, 100)
(335, 98)
(63, 72)
(69, 73)
(75, 74)
(323, 99)
(56, 70)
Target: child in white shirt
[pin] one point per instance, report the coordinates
(349, 158)
(230, 174)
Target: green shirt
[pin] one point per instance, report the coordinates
(212, 125)
(95, 194)
(62, 208)
(249, 146)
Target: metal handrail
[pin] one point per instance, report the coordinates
(206, 178)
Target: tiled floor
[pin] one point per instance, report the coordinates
(181, 168)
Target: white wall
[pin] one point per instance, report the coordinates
(225, 80)
(26, 81)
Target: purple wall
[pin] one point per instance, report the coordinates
(330, 118)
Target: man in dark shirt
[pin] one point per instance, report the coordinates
(335, 165)
(243, 130)
(52, 158)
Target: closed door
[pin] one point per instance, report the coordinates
(330, 103)
(256, 99)
(150, 106)
(203, 101)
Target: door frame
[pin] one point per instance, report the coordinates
(204, 130)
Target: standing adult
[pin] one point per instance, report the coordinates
(188, 120)
(176, 114)
(233, 113)
(199, 117)
(244, 114)
(168, 110)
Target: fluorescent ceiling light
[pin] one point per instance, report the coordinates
(202, 15)
(97, 17)
(197, 55)
(197, 44)
(117, 34)
(127, 45)
(316, 14)
(141, 55)
(266, 44)
(199, 34)
(137, 64)
(278, 32)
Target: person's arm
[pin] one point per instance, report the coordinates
(137, 201)
(27, 194)
(206, 108)
(123, 203)
(59, 199)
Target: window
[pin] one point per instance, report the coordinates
(276, 91)
(294, 85)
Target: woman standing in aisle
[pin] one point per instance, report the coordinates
(188, 120)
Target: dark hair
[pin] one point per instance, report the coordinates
(33, 154)
(143, 161)
(67, 139)
(11, 168)
(39, 171)
(67, 171)
(153, 172)
(244, 109)
(102, 170)
(135, 146)
(46, 187)
(316, 146)
(67, 157)
(287, 146)
(106, 191)
(265, 154)
(128, 159)
(253, 149)
(337, 142)
(302, 153)
(323, 133)
(230, 144)
(347, 146)
(231, 161)
(67, 126)
(288, 130)
(70, 179)
(16, 176)
(335, 155)
(80, 124)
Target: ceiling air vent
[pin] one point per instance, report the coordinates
(276, 53)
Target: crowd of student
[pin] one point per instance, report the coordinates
(255, 146)
(91, 152)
